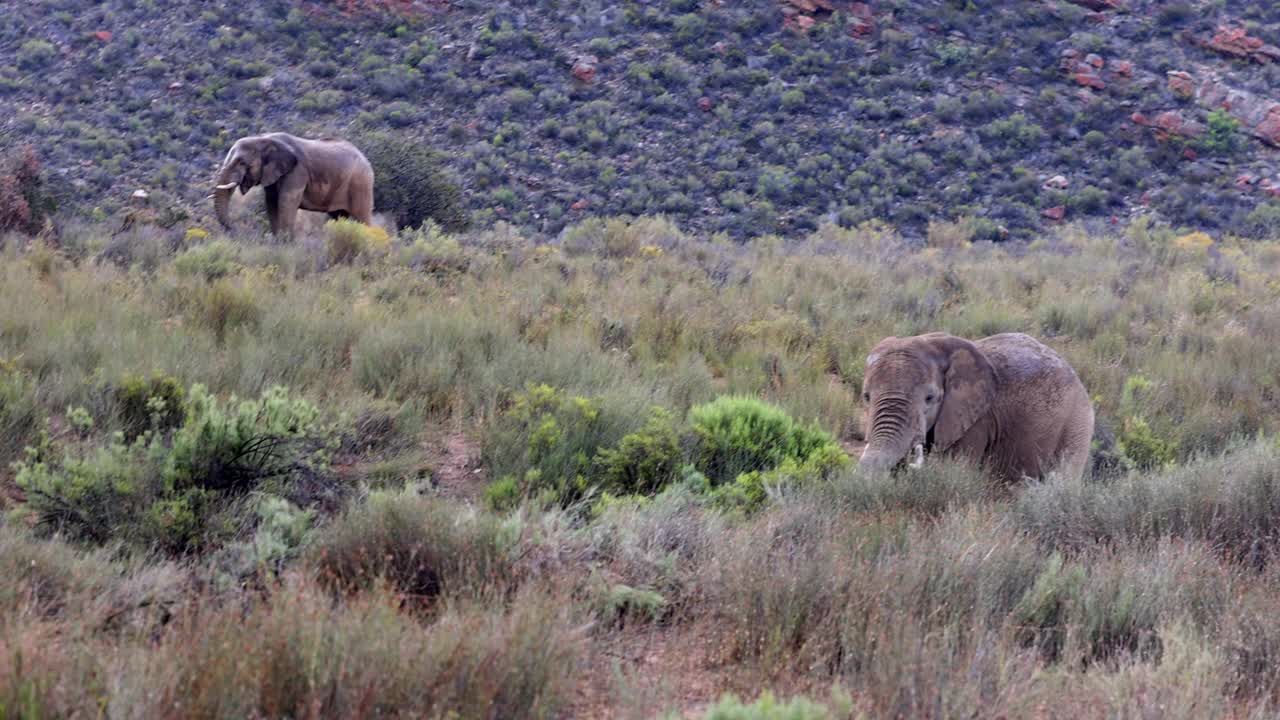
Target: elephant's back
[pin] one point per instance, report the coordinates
(1043, 398)
(1019, 358)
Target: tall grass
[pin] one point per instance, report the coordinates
(936, 593)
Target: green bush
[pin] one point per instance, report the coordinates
(546, 443)
(140, 404)
(620, 604)
(224, 307)
(167, 491)
(644, 461)
(410, 183)
(210, 261)
(738, 434)
(1223, 136)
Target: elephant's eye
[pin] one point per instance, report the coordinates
(929, 398)
(866, 397)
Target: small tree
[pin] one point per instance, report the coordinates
(24, 205)
(410, 183)
(1223, 136)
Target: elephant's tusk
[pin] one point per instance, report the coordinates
(918, 462)
(228, 186)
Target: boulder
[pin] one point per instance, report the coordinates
(1056, 213)
(584, 68)
(862, 20)
(1057, 182)
(1181, 83)
(1236, 42)
(1259, 116)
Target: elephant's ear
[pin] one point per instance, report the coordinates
(969, 392)
(278, 160)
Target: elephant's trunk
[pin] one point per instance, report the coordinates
(227, 181)
(893, 434)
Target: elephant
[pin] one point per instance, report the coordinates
(1007, 401)
(326, 175)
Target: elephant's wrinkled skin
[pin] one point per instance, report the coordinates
(329, 176)
(1005, 400)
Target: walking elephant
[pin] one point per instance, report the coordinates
(1005, 400)
(329, 176)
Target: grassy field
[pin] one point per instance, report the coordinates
(476, 476)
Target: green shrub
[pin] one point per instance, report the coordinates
(409, 182)
(140, 404)
(644, 461)
(739, 434)
(348, 239)
(210, 261)
(167, 491)
(620, 604)
(547, 442)
(1223, 136)
(1142, 447)
(428, 249)
(223, 307)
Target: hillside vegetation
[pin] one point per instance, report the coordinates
(746, 117)
(426, 473)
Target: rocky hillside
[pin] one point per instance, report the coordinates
(735, 116)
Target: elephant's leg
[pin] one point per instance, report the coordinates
(271, 198)
(287, 212)
(362, 205)
(1073, 458)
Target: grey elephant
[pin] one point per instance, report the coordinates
(327, 175)
(1006, 400)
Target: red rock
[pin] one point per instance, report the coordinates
(1269, 129)
(1244, 180)
(705, 104)
(1170, 122)
(1095, 60)
(1089, 79)
(1238, 43)
(1137, 118)
(584, 68)
(1056, 213)
(1145, 198)
(579, 205)
(801, 23)
(1259, 116)
(1181, 83)
(1269, 188)
(103, 35)
(1124, 68)
(1190, 154)
(863, 20)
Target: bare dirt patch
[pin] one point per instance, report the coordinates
(454, 462)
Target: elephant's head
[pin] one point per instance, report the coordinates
(922, 393)
(251, 161)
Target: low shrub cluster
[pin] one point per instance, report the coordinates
(563, 449)
(177, 489)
